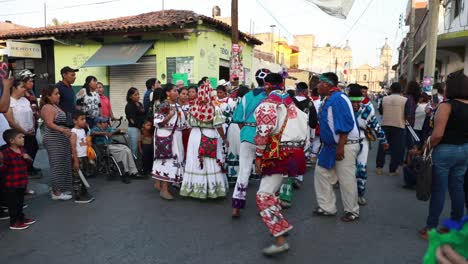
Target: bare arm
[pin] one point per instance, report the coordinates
(5, 99)
(440, 122)
(48, 114)
(340, 148)
(11, 121)
(76, 162)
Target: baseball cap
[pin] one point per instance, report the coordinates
(101, 119)
(67, 69)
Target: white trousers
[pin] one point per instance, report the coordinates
(344, 172)
(246, 158)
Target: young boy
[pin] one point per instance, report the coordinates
(80, 158)
(14, 164)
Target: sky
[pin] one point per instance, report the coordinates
(380, 21)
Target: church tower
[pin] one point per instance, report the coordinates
(386, 55)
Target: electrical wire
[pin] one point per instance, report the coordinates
(274, 18)
(59, 8)
(355, 22)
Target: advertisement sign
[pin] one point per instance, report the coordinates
(24, 50)
(237, 69)
(428, 81)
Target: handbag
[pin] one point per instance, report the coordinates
(208, 146)
(163, 145)
(423, 172)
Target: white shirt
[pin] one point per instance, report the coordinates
(354, 133)
(90, 103)
(22, 113)
(3, 126)
(420, 116)
(81, 145)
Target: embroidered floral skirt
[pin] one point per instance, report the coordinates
(232, 153)
(170, 170)
(203, 178)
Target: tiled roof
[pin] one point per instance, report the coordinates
(8, 26)
(153, 21)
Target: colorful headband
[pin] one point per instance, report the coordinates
(275, 86)
(356, 98)
(323, 78)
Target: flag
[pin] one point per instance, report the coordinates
(336, 8)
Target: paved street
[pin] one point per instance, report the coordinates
(131, 224)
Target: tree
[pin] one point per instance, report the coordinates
(56, 22)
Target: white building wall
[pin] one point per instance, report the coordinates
(458, 23)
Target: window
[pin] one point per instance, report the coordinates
(364, 77)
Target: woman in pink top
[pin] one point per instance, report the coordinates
(106, 108)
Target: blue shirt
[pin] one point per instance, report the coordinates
(100, 139)
(343, 122)
(244, 113)
(146, 99)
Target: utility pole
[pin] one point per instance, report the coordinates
(431, 47)
(236, 69)
(272, 48)
(45, 14)
(410, 67)
(234, 22)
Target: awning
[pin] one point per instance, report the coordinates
(118, 54)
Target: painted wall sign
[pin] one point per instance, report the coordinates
(24, 50)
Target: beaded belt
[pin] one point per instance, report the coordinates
(353, 142)
(250, 124)
(291, 144)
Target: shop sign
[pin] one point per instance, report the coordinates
(24, 50)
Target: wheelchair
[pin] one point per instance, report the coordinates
(105, 163)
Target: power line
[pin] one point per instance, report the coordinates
(88, 4)
(59, 8)
(274, 18)
(355, 22)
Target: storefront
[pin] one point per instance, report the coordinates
(124, 52)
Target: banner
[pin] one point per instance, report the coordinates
(24, 50)
(180, 77)
(335, 8)
(237, 69)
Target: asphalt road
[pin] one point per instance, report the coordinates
(131, 224)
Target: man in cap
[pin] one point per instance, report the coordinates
(67, 95)
(244, 116)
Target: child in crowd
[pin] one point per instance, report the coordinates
(14, 164)
(80, 157)
(145, 146)
(192, 94)
(409, 174)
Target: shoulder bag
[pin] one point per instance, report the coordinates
(423, 172)
(163, 145)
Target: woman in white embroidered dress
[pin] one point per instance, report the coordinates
(204, 176)
(169, 119)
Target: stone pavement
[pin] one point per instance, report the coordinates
(131, 224)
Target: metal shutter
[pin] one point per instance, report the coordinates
(121, 78)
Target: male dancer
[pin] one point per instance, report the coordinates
(337, 158)
(244, 116)
(282, 131)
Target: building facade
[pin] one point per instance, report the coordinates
(125, 52)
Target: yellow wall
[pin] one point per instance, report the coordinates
(207, 48)
(75, 56)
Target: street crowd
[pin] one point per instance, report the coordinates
(196, 140)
